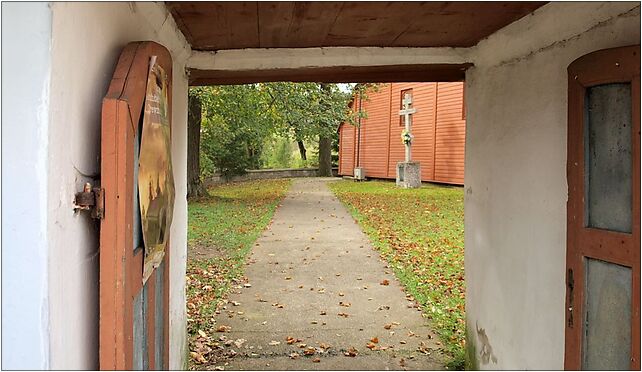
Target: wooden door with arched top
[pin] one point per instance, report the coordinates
(603, 218)
(134, 316)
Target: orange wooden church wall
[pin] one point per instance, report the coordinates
(438, 126)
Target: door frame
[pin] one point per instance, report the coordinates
(616, 65)
(121, 267)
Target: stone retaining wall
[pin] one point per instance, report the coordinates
(262, 174)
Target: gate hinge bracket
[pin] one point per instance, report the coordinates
(91, 199)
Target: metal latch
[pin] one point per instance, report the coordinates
(91, 199)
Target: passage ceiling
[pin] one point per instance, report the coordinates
(237, 25)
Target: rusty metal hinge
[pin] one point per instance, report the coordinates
(91, 199)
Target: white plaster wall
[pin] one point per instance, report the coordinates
(26, 38)
(515, 178)
(87, 40)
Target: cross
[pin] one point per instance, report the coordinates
(406, 111)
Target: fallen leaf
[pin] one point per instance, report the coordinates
(345, 315)
(345, 304)
(203, 334)
(236, 303)
(238, 343)
(424, 348)
(294, 355)
(316, 360)
(387, 326)
(198, 357)
(385, 282)
(247, 285)
(351, 352)
(324, 346)
(324, 313)
(310, 350)
(341, 294)
(371, 346)
(374, 340)
(223, 328)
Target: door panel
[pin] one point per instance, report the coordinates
(134, 318)
(608, 157)
(603, 211)
(607, 337)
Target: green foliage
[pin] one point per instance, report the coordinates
(237, 121)
(278, 153)
(240, 123)
(420, 232)
(305, 111)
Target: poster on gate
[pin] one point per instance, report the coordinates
(155, 175)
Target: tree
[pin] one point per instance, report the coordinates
(238, 122)
(310, 112)
(325, 141)
(195, 186)
(241, 120)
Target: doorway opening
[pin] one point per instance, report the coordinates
(280, 274)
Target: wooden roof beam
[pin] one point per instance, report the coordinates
(335, 64)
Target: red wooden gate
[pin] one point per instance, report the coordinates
(134, 318)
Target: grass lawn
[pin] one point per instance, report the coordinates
(222, 229)
(421, 234)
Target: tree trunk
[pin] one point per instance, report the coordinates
(302, 150)
(195, 187)
(325, 147)
(325, 157)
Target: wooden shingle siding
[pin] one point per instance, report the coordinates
(374, 133)
(347, 146)
(451, 134)
(438, 128)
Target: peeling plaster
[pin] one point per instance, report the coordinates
(486, 352)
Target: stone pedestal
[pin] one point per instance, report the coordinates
(408, 174)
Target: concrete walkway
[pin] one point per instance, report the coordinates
(313, 276)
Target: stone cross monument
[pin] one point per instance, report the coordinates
(408, 172)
